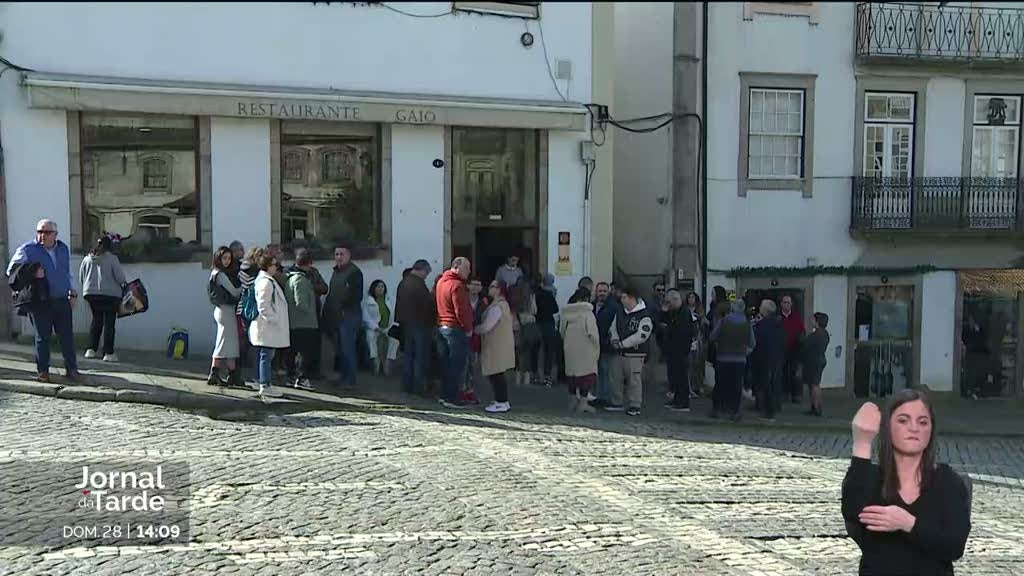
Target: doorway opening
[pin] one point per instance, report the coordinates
(495, 198)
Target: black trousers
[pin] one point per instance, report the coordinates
(104, 317)
(306, 350)
(728, 387)
(768, 389)
(500, 386)
(791, 384)
(678, 379)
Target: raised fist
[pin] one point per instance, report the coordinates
(866, 423)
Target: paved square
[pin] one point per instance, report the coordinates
(390, 490)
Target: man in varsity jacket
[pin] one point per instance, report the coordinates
(630, 332)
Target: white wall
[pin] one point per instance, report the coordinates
(565, 207)
(35, 144)
(938, 330)
(781, 228)
(417, 192)
(335, 45)
(240, 168)
(642, 175)
(944, 127)
(830, 294)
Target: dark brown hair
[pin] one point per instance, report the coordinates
(266, 261)
(887, 454)
(219, 255)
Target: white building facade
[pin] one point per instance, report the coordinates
(415, 130)
(864, 159)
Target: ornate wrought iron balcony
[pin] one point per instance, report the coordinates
(936, 204)
(896, 30)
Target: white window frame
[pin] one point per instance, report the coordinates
(889, 126)
(801, 136)
(992, 130)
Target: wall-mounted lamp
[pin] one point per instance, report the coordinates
(885, 279)
(775, 282)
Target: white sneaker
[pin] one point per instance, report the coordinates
(90, 353)
(269, 391)
(498, 407)
(110, 358)
(303, 384)
(253, 385)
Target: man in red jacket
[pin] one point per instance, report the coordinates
(455, 316)
(793, 323)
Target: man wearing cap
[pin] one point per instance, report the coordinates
(52, 261)
(415, 314)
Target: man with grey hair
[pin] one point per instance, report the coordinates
(767, 360)
(52, 261)
(734, 339)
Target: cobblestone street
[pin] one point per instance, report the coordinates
(387, 490)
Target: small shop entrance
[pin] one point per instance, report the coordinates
(495, 199)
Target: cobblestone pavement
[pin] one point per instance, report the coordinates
(390, 490)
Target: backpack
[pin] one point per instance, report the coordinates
(250, 311)
(219, 296)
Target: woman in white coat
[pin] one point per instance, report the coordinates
(377, 320)
(269, 331)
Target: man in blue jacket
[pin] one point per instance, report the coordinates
(53, 314)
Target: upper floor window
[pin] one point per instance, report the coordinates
(140, 182)
(156, 175)
(995, 136)
(516, 9)
(776, 133)
(888, 135)
(293, 167)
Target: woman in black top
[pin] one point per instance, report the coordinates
(908, 514)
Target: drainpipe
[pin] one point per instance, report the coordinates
(5, 295)
(704, 157)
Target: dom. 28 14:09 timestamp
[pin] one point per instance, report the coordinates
(144, 531)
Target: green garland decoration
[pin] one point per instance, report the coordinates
(783, 271)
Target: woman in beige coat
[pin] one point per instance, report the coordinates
(582, 347)
(498, 345)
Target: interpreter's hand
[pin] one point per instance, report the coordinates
(887, 519)
(40, 273)
(866, 423)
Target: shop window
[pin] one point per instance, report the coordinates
(330, 189)
(139, 181)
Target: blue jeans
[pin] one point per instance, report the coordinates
(266, 361)
(345, 346)
(47, 318)
(456, 353)
(603, 391)
(417, 341)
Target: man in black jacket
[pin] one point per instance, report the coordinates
(678, 331)
(343, 313)
(767, 360)
(415, 314)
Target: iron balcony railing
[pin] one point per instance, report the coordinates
(936, 204)
(933, 32)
